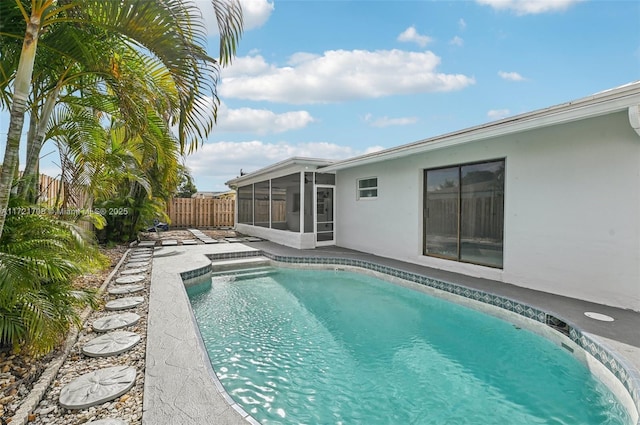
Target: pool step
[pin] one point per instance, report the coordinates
(239, 263)
(253, 272)
(242, 268)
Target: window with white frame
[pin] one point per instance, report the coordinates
(368, 188)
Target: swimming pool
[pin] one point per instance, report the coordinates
(336, 347)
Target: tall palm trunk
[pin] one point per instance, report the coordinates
(19, 107)
(28, 186)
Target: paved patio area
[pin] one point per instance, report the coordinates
(178, 383)
(179, 387)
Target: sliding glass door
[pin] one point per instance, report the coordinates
(464, 212)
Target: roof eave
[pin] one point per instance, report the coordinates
(603, 103)
(301, 162)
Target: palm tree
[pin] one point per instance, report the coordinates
(21, 91)
(167, 31)
(186, 186)
(129, 172)
(132, 163)
(78, 64)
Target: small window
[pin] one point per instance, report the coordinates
(368, 188)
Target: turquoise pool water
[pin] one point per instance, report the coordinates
(327, 347)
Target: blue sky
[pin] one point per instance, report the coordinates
(335, 79)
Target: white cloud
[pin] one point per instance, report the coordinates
(462, 24)
(338, 75)
(248, 66)
(260, 121)
(372, 149)
(496, 114)
(388, 122)
(526, 7)
(216, 163)
(412, 36)
(457, 41)
(254, 14)
(511, 76)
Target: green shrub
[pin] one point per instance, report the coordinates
(39, 257)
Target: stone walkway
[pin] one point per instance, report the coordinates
(102, 380)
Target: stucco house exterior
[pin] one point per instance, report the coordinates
(548, 200)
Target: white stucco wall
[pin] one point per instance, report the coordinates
(572, 209)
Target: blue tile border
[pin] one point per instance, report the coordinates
(233, 255)
(191, 274)
(618, 367)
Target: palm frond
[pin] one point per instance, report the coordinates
(230, 23)
(39, 257)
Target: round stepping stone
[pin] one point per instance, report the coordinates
(135, 264)
(97, 387)
(130, 279)
(111, 344)
(140, 258)
(124, 303)
(108, 421)
(126, 289)
(134, 271)
(115, 321)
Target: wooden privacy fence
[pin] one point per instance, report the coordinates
(198, 212)
(57, 198)
(51, 190)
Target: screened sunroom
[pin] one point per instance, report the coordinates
(290, 202)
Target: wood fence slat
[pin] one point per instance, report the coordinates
(52, 190)
(201, 212)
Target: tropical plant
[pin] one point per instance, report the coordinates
(168, 33)
(146, 177)
(39, 257)
(186, 187)
(92, 75)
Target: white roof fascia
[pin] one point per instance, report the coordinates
(279, 169)
(609, 101)
(634, 118)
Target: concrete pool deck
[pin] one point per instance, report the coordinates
(179, 381)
